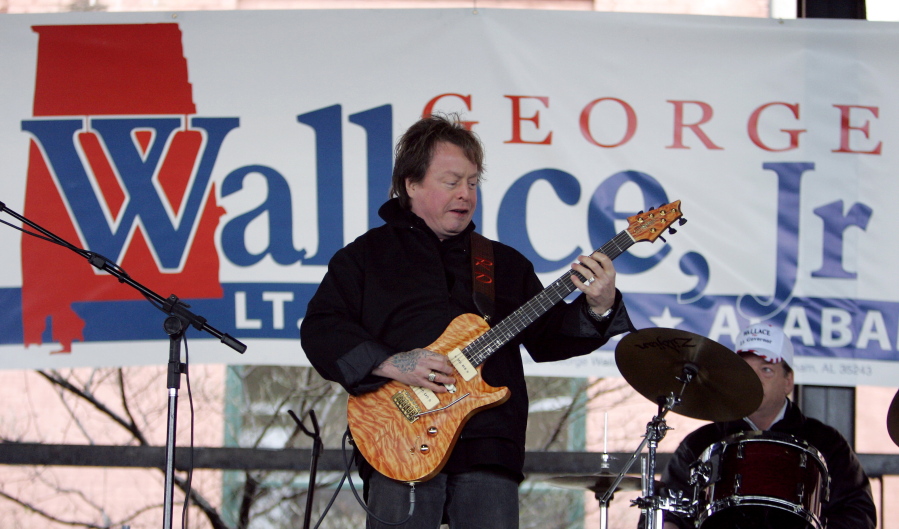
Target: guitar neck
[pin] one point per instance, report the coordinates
(499, 335)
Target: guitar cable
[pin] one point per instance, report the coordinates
(348, 477)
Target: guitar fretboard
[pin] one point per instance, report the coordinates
(499, 335)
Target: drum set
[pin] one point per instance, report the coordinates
(749, 480)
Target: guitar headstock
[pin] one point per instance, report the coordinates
(650, 225)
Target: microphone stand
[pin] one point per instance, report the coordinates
(178, 321)
(317, 447)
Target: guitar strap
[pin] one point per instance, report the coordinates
(482, 265)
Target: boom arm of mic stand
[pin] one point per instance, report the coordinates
(172, 305)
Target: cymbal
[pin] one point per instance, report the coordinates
(724, 387)
(893, 419)
(597, 482)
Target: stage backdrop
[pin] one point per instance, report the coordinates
(223, 157)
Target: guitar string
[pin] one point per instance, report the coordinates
(482, 347)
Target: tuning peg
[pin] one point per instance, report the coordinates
(663, 239)
(682, 221)
(671, 230)
(640, 212)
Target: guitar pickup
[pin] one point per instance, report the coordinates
(427, 397)
(462, 365)
(406, 404)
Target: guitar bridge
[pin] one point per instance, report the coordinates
(407, 405)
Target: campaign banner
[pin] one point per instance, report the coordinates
(222, 158)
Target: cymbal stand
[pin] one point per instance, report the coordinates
(651, 505)
(604, 467)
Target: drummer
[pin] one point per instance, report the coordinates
(770, 354)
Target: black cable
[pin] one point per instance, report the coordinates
(362, 502)
(347, 476)
(95, 259)
(33, 234)
(337, 490)
(190, 452)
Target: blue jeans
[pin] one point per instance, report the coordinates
(472, 500)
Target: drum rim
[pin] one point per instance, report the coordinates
(752, 436)
(756, 501)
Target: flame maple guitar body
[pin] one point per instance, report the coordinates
(416, 450)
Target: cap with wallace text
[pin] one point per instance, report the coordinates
(767, 341)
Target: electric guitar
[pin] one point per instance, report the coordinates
(407, 433)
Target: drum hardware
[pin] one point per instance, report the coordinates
(700, 476)
(602, 484)
(599, 484)
(700, 473)
(693, 376)
(651, 504)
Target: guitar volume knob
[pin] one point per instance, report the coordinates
(424, 449)
(432, 430)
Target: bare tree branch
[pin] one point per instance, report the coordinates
(44, 514)
(58, 380)
(576, 402)
(138, 512)
(251, 486)
(41, 476)
(73, 415)
(124, 397)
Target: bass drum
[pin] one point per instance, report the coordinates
(755, 480)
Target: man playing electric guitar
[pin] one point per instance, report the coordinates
(398, 288)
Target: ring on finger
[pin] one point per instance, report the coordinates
(432, 376)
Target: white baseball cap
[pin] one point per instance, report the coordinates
(767, 341)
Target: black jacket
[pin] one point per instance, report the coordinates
(851, 505)
(397, 287)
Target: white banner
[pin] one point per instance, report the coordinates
(223, 157)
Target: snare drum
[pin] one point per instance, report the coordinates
(761, 479)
